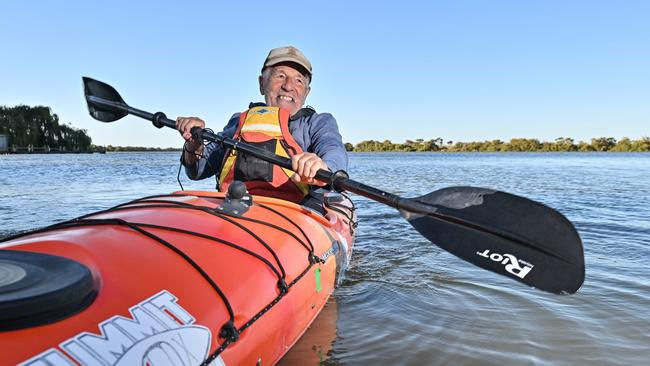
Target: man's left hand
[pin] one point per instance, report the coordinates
(306, 165)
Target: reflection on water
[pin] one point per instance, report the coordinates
(404, 301)
(315, 346)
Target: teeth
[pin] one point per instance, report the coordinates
(288, 99)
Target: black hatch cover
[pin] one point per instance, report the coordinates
(37, 288)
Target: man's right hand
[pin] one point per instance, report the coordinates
(192, 147)
(184, 125)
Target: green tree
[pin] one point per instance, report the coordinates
(494, 145)
(565, 144)
(603, 143)
(583, 146)
(625, 144)
(520, 144)
(641, 145)
(38, 126)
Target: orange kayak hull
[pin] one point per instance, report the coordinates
(171, 273)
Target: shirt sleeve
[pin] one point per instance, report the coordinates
(326, 142)
(213, 153)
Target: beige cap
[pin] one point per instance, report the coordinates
(287, 54)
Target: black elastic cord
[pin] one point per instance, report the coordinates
(178, 175)
(252, 320)
(255, 236)
(239, 225)
(230, 219)
(341, 209)
(308, 246)
(305, 245)
(200, 157)
(182, 205)
(213, 238)
(135, 227)
(312, 256)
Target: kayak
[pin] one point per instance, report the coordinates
(186, 278)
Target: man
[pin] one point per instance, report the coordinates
(310, 139)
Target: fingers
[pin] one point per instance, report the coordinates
(184, 125)
(311, 181)
(306, 165)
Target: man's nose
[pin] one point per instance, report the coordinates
(288, 84)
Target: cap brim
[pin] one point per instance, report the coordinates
(288, 60)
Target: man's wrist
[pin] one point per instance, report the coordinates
(191, 152)
(192, 147)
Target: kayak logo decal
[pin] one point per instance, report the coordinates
(517, 267)
(158, 332)
(331, 251)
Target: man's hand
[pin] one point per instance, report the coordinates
(306, 165)
(184, 125)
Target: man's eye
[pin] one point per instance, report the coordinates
(300, 81)
(279, 76)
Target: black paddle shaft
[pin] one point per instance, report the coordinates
(339, 180)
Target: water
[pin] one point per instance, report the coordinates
(404, 301)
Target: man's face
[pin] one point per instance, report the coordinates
(286, 88)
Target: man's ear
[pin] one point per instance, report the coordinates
(261, 81)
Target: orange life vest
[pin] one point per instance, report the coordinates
(266, 128)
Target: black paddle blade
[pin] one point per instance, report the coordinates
(507, 234)
(103, 101)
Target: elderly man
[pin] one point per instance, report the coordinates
(281, 125)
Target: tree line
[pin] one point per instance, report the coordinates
(111, 148)
(38, 126)
(560, 144)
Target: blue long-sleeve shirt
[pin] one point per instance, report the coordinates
(317, 133)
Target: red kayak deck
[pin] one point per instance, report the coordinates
(178, 280)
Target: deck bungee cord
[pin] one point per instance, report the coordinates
(333, 206)
(343, 210)
(230, 218)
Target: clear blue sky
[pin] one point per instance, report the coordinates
(460, 70)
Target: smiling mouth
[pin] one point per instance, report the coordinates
(286, 98)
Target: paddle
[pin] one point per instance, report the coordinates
(507, 234)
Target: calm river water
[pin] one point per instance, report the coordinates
(404, 301)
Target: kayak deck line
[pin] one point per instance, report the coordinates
(84, 221)
(285, 227)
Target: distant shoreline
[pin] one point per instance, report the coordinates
(354, 152)
(93, 150)
(497, 152)
(110, 148)
(561, 144)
